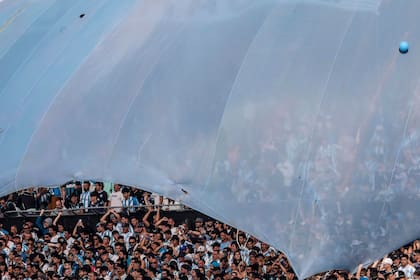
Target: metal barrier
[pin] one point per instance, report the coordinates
(90, 219)
(93, 210)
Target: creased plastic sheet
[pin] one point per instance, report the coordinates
(296, 121)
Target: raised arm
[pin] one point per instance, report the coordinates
(76, 227)
(359, 270)
(164, 219)
(146, 216)
(237, 236)
(156, 220)
(117, 215)
(146, 199)
(39, 220)
(103, 219)
(57, 218)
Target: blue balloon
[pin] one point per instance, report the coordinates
(404, 47)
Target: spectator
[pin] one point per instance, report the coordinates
(129, 202)
(27, 200)
(43, 223)
(72, 202)
(85, 199)
(3, 232)
(75, 188)
(122, 247)
(94, 200)
(43, 196)
(417, 259)
(52, 231)
(224, 240)
(121, 275)
(116, 198)
(102, 195)
(407, 268)
(102, 231)
(59, 207)
(6, 205)
(83, 272)
(64, 192)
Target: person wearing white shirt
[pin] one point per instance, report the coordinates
(407, 268)
(116, 198)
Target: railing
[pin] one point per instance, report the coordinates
(180, 214)
(85, 211)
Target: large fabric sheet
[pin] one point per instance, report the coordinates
(296, 121)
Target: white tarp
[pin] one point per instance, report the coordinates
(296, 121)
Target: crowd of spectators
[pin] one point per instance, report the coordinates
(357, 175)
(401, 264)
(84, 196)
(130, 244)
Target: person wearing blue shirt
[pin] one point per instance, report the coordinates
(129, 202)
(2, 230)
(85, 195)
(43, 223)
